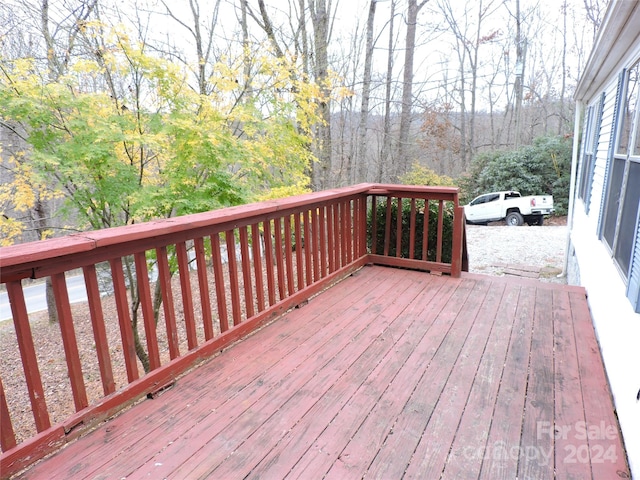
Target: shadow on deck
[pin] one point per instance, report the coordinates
(389, 374)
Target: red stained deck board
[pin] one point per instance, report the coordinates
(355, 392)
(465, 459)
(423, 406)
(157, 427)
(604, 441)
(301, 438)
(369, 414)
(388, 373)
(240, 399)
(537, 449)
(569, 408)
(297, 392)
(506, 423)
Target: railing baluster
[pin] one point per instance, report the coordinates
(246, 271)
(323, 242)
(187, 296)
(412, 229)
(374, 225)
(360, 231)
(257, 263)
(288, 252)
(221, 296)
(425, 232)
(299, 262)
(144, 291)
(337, 244)
(363, 222)
(308, 246)
(69, 341)
(345, 232)
(440, 230)
(203, 285)
(387, 228)
(99, 330)
(124, 319)
(268, 250)
(28, 355)
(164, 277)
(315, 250)
(7, 435)
(277, 229)
(399, 228)
(233, 277)
(331, 246)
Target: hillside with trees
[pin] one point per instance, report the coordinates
(114, 113)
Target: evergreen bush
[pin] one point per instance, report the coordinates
(381, 213)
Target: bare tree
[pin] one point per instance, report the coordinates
(366, 90)
(203, 40)
(386, 134)
(413, 8)
(595, 10)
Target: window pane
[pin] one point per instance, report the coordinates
(588, 131)
(613, 202)
(628, 110)
(628, 218)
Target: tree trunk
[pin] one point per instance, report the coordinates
(361, 162)
(403, 161)
(386, 140)
(320, 21)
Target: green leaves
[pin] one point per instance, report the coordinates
(124, 139)
(541, 168)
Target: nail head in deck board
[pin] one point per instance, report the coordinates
(298, 351)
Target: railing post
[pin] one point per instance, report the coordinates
(458, 235)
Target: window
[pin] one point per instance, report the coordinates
(620, 216)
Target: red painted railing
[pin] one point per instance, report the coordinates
(219, 274)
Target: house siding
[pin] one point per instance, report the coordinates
(611, 298)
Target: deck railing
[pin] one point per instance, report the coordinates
(196, 283)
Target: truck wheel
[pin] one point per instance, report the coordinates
(539, 220)
(514, 219)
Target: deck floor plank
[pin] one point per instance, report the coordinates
(397, 451)
(264, 394)
(347, 354)
(300, 439)
(569, 406)
(535, 455)
(430, 457)
(346, 401)
(389, 374)
(468, 447)
(497, 454)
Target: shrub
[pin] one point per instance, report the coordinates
(381, 213)
(541, 168)
(421, 175)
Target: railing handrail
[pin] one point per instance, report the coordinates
(16, 261)
(279, 253)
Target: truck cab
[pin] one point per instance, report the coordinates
(510, 206)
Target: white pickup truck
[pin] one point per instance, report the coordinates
(510, 206)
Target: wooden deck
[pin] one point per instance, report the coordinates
(389, 374)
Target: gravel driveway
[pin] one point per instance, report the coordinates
(535, 252)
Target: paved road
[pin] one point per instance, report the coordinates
(34, 297)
